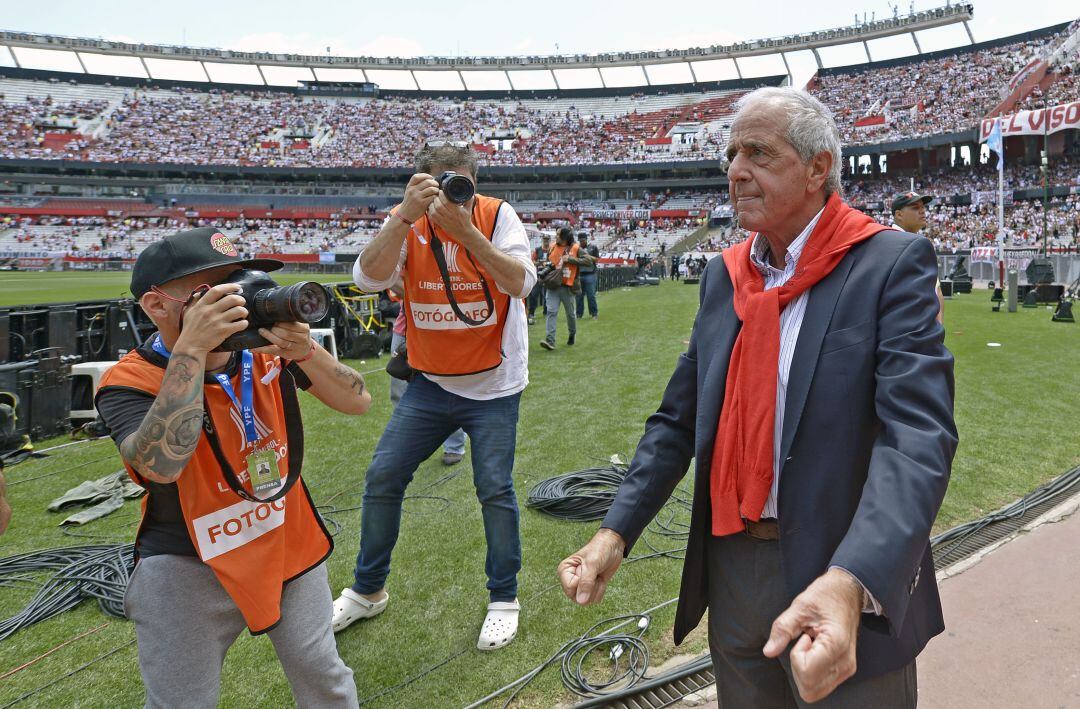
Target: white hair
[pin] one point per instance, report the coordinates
(811, 128)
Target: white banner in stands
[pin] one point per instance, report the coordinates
(618, 214)
(1014, 258)
(1044, 120)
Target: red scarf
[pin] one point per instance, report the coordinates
(742, 466)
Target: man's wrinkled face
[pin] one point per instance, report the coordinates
(912, 217)
(769, 182)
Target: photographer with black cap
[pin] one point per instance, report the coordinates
(206, 417)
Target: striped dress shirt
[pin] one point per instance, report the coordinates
(791, 319)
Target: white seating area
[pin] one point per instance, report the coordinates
(647, 241)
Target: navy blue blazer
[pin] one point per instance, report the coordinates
(867, 444)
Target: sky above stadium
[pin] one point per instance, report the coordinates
(441, 27)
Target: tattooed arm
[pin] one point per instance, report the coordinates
(164, 442)
(338, 386)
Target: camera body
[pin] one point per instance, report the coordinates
(458, 188)
(268, 303)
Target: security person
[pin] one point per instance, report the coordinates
(229, 536)
(909, 214)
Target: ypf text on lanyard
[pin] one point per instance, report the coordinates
(245, 404)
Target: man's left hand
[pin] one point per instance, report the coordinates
(454, 219)
(824, 619)
(288, 340)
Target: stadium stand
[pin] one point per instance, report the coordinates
(942, 94)
(273, 129)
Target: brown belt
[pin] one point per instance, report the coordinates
(766, 529)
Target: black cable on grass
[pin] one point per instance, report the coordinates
(64, 469)
(51, 683)
(593, 639)
(580, 496)
(99, 571)
(409, 680)
(328, 510)
(949, 540)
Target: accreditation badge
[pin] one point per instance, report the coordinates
(263, 470)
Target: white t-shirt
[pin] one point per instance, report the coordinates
(512, 375)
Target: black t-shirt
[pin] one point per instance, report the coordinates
(163, 530)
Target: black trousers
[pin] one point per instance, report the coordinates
(746, 594)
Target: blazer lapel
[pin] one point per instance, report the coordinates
(819, 311)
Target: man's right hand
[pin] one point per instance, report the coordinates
(419, 194)
(212, 317)
(584, 576)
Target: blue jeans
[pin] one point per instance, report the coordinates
(422, 420)
(588, 289)
(455, 442)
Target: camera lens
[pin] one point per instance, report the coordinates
(457, 188)
(301, 302)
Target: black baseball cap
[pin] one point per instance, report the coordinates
(187, 252)
(904, 199)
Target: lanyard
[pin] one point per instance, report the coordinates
(247, 388)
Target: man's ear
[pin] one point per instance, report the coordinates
(820, 166)
(154, 307)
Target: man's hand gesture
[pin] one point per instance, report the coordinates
(584, 576)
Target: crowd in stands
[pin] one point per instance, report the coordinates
(272, 129)
(23, 127)
(1064, 89)
(1064, 170)
(928, 97)
(123, 238)
(954, 227)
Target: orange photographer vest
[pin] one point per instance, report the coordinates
(570, 269)
(440, 342)
(253, 547)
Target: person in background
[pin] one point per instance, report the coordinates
(565, 257)
(587, 275)
(536, 295)
(909, 214)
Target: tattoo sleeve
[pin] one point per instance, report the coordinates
(162, 445)
(350, 378)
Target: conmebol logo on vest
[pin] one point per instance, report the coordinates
(451, 251)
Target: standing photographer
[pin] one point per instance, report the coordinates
(464, 259)
(565, 256)
(229, 536)
(536, 295)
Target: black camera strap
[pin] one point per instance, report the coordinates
(440, 260)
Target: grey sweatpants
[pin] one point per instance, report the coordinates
(185, 623)
(563, 296)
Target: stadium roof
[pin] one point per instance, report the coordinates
(610, 69)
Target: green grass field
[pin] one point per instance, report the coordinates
(1016, 414)
(29, 287)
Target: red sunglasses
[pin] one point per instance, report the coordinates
(185, 303)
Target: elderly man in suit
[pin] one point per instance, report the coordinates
(817, 398)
